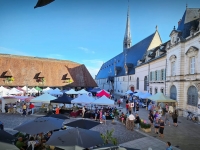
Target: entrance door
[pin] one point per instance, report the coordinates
(173, 92)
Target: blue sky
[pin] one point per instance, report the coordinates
(89, 32)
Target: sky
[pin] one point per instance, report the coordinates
(88, 32)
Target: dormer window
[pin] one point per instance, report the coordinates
(157, 53)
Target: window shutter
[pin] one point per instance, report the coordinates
(164, 75)
(153, 76)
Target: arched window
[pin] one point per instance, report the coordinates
(192, 94)
(145, 83)
(162, 90)
(173, 92)
(137, 83)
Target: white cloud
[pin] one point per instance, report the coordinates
(5, 50)
(86, 50)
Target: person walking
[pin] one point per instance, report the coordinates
(167, 118)
(130, 123)
(151, 118)
(156, 125)
(100, 115)
(6, 108)
(161, 128)
(175, 118)
(119, 102)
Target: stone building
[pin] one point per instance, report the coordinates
(183, 61)
(34, 71)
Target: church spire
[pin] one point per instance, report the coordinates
(127, 36)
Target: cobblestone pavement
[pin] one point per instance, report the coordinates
(185, 137)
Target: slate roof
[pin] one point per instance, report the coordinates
(134, 53)
(189, 19)
(152, 54)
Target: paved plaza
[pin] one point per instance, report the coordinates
(184, 137)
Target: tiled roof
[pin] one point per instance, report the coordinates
(26, 71)
(133, 54)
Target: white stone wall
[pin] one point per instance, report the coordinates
(183, 79)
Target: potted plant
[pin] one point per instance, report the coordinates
(146, 127)
(108, 137)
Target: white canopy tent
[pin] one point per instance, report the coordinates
(129, 92)
(44, 98)
(47, 90)
(145, 95)
(104, 101)
(138, 94)
(33, 90)
(15, 91)
(82, 92)
(3, 91)
(55, 92)
(72, 91)
(83, 99)
(25, 88)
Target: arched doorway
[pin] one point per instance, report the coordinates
(192, 95)
(132, 88)
(173, 92)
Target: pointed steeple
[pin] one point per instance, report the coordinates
(127, 36)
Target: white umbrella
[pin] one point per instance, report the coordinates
(72, 91)
(83, 99)
(103, 101)
(44, 98)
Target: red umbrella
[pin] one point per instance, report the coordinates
(102, 93)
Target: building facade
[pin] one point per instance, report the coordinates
(118, 73)
(183, 62)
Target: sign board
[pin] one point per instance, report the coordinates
(132, 104)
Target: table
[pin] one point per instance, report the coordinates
(76, 113)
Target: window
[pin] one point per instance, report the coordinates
(156, 90)
(162, 90)
(123, 78)
(156, 75)
(130, 78)
(137, 84)
(145, 83)
(192, 96)
(173, 68)
(162, 74)
(192, 65)
(173, 92)
(118, 78)
(150, 90)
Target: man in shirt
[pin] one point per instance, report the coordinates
(131, 119)
(20, 144)
(24, 109)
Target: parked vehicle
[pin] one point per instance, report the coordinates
(1, 126)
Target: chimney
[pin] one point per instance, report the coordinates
(179, 22)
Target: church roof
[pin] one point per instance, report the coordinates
(130, 56)
(189, 19)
